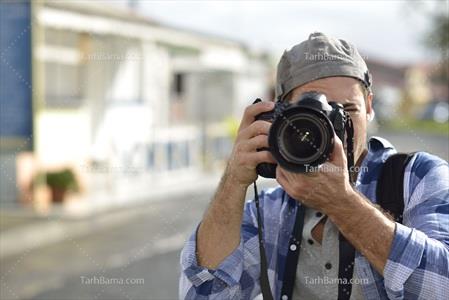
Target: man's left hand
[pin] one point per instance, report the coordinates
(323, 187)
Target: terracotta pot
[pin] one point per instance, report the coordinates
(58, 194)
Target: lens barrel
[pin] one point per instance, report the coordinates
(302, 134)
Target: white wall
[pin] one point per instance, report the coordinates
(124, 122)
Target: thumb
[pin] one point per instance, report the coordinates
(338, 156)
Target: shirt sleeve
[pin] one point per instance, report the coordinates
(418, 263)
(237, 277)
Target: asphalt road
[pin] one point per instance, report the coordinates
(145, 248)
(134, 260)
(138, 259)
(159, 274)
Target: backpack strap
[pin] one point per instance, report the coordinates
(390, 184)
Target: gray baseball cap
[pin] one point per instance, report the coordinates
(319, 57)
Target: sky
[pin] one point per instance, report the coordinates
(388, 30)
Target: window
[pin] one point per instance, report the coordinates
(179, 85)
(62, 85)
(62, 69)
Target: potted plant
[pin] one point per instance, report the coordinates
(60, 182)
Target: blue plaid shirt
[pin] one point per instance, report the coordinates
(418, 263)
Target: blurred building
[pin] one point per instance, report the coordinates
(388, 84)
(404, 91)
(127, 103)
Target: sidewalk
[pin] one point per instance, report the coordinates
(22, 231)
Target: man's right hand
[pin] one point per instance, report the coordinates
(219, 232)
(252, 135)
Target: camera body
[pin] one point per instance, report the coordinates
(301, 135)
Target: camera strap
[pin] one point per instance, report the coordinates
(264, 282)
(346, 258)
(349, 128)
(291, 263)
(346, 250)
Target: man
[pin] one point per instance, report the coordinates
(398, 261)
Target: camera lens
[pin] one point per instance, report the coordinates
(302, 138)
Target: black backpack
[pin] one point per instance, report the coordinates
(390, 184)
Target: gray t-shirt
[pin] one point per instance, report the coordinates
(317, 272)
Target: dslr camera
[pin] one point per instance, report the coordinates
(301, 135)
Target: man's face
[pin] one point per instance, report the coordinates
(348, 92)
